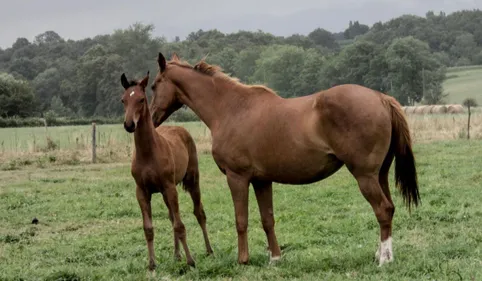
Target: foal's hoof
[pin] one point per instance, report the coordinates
(191, 263)
(152, 266)
(243, 262)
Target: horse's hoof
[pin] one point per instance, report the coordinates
(274, 260)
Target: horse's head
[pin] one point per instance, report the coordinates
(134, 100)
(165, 99)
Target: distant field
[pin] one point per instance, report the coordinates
(464, 82)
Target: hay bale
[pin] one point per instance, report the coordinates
(410, 109)
(427, 109)
(455, 109)
(419, 109)
(439, 109)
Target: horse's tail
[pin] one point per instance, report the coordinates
(405, 171)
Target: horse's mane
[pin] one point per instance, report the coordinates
(216, 71)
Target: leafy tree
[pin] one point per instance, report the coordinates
(409, 64)
(46, 85)
(16, 97)
(355, 29)
(323, 38)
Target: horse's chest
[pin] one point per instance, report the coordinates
(148, 179)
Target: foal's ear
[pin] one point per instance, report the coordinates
(124, 81)
(161, 60)
(144, 81)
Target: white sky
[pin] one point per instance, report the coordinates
(87, 18)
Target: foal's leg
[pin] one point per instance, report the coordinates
(383, 208)
(195, 193)
(177, 255)
(179, 228)
(264, 196)
(144, 200)
(239, 187)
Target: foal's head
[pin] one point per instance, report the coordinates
(166, 94)
(135, 101)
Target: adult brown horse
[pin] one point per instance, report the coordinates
(259, 137)
(163, 158)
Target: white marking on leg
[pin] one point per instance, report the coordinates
(386, 253)
(377, 253)
(273, 259)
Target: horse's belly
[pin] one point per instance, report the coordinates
(302, 170)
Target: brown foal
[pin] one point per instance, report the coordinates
(259, 137)
(163, 158)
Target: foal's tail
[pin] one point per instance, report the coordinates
(190, 183)
(405, 171)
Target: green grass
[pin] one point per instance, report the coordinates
(90, 226)
(462, 83)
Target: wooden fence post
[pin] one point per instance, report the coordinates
(94, 156)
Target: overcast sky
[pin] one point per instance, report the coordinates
(87, 18)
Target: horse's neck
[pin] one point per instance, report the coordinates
(210, 102)
(144, 136)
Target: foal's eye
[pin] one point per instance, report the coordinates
(153, 87)
(122, 101)
(141, 100)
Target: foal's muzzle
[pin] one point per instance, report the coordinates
(129, 126)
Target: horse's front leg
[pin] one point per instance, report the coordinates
(239, 187)
(144, 200)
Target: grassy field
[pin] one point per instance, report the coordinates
(90, 227)
(463, 82)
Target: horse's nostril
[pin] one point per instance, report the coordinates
(129, 126)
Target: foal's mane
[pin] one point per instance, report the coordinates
(216, 71)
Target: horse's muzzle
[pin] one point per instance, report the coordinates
(130, 126)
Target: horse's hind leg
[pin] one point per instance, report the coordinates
(191, 183)
(383, 208)
(383, 180)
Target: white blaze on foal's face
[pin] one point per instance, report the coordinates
(132, 93)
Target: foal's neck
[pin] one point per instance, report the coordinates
(145, 135)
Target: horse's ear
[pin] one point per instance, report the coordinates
(144, 81)
(124, 81)
(161, 60)
(175, 57)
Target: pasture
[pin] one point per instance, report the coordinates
(462, 83)
(90, 225)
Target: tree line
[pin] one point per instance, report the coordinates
(405, 57)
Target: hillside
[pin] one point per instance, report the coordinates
(463, 82)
